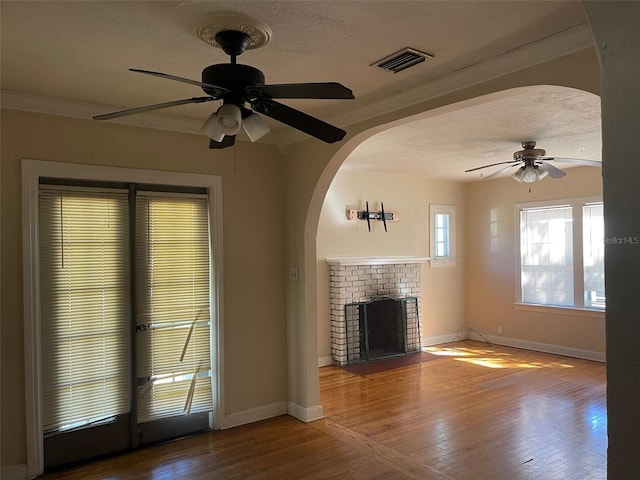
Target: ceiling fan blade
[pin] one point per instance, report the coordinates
(220, 91)
(326, 90)
(227, 141)
(551, 170)
(579, 161)
(299, 120)
(498, 172)
(513, 162)
(149, 108)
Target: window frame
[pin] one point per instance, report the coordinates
(576, 205)
(32, 171)
(451, 259)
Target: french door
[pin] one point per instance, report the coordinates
(125, 318)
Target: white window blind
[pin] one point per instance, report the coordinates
(173, 327)
(593, 255)
(85, 317)
(546, 249)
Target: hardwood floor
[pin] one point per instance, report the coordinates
(475, 412)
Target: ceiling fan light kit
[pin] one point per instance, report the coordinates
(529, 174)
(236, 85)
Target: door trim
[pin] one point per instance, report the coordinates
(32, 170)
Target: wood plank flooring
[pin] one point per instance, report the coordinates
(476, 412)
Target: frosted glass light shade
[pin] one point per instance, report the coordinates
(529, 174)
(210, 128)
(255, 127)
(229, 119)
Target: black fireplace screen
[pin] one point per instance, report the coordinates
(383, 327)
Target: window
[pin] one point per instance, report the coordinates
(593, 254)
(442, 245)
(562, 254)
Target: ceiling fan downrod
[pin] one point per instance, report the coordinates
(233, 43)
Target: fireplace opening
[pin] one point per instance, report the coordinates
(382, 327)
(385, 326)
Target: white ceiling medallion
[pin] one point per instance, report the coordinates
(259, 33)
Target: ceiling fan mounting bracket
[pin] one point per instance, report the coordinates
(233, 42)
(258, 33)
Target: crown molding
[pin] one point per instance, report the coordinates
(554, 46)
(66, 108)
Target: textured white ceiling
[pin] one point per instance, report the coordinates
(73, 56)
(563, 121)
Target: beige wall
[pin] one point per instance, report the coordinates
(490, 274)
(410, 196)
(254, 308)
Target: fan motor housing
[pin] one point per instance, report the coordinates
(235, 77)
(529, 153)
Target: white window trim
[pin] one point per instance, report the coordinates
(576, 204)
(564, 311)
(32, 171)
(451, 260)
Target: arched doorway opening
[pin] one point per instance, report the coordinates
(421, 161)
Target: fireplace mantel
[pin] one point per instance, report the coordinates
(374, 260)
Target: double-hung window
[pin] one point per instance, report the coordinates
(562, 253)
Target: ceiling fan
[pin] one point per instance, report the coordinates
(533, 164)
(237, 85)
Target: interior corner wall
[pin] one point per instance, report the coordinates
(255, 369)
(442, 288)
(490, 269)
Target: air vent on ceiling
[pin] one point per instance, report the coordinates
(401, 60)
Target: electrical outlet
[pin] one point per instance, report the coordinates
(499, 330)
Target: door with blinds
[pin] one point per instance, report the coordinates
(173, 324)
(125, 318)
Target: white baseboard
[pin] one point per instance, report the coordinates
(524, 344)
(14, 472)
(325, 361)
(253, 415)
(305, 414)
(543, 347)
(452, 337)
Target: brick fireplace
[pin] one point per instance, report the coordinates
(355, 280)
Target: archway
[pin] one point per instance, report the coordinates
(445, 141)
(579, 70)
